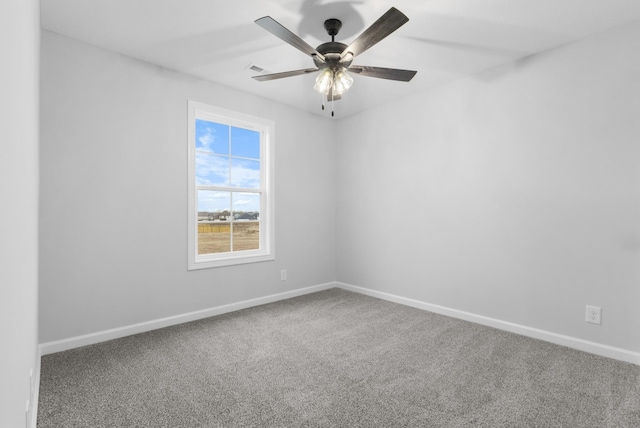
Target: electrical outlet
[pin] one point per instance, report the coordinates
(594, 314)
(283, 275)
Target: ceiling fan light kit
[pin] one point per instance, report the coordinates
(335, 82)
(333, 59)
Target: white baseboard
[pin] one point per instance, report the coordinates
(558, 339)
(101, 336)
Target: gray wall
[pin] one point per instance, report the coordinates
(19, 41)
(114, 195)
(513, 194)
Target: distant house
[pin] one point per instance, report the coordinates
(213, 216)
(246, 216)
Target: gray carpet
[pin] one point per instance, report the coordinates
(334, 359)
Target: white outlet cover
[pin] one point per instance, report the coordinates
(594, 315)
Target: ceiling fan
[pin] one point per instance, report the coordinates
(333, 59)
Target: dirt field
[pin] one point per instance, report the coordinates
(246, 236)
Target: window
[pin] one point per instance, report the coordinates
(230, 188)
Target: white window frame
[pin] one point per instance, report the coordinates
(266, 128)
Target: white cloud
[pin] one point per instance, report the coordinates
(245, 173)
(210, 200)
(206, 140)
(246, 202)
(211, 170)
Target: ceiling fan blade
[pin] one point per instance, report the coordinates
(383, 73)
(274, 76)
(385, 25)
(278, 30)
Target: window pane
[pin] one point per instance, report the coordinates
(245, 143)
(211, 170)
(214, 230)
(246, 225)
(245, 173)
(212, 137)
(246, 236)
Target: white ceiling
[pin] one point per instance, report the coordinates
(443, 40)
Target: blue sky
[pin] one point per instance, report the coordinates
(227, 156)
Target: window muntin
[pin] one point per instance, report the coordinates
(230, 188)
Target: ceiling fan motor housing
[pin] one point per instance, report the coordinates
(331, 52)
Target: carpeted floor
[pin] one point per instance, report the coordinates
(334, 359)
